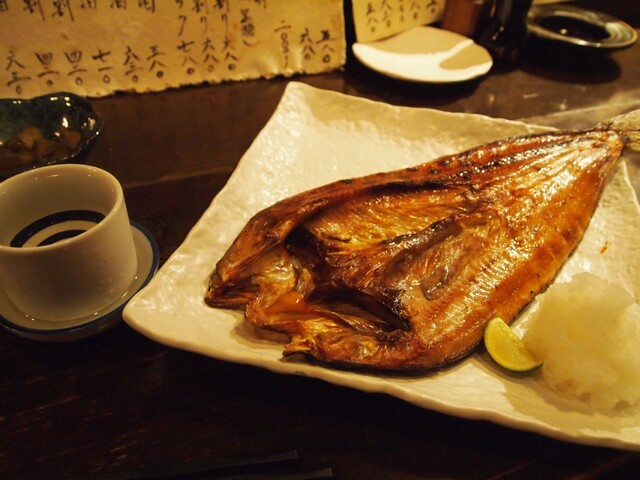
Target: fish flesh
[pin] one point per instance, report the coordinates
(402, 270)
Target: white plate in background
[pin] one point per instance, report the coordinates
(425, 54)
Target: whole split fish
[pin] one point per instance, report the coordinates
(402, 270)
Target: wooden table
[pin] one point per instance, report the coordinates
(118, 401)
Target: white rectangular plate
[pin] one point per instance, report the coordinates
(316, 137)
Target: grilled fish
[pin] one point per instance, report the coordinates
(402, 270)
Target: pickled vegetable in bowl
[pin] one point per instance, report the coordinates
(46, 130)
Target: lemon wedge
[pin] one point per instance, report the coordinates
(506, 348)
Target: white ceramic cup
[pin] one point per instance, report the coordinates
(66, 246)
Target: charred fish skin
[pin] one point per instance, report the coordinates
(402, 270)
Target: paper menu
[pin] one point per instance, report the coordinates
(376, 19)
(98, 47)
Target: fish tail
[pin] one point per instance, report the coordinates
(628, 125)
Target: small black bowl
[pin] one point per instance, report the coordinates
(50, 114)
(579, 28)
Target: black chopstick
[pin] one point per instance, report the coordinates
(319, 474)
(216, 468)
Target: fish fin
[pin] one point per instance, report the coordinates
(628, 125)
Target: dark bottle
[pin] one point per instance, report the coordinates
(506, 33)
